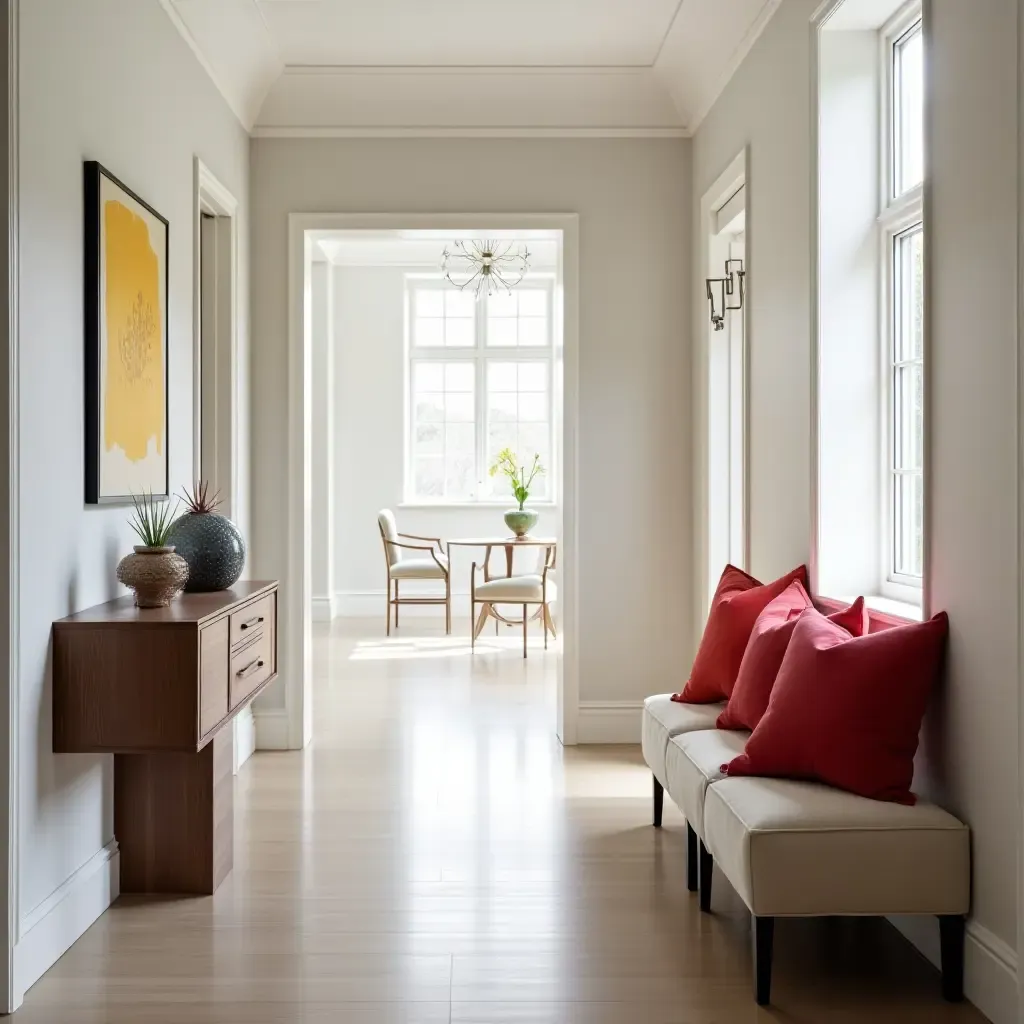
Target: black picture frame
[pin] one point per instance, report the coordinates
(93, 175)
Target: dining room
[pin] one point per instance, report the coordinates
(437, 433)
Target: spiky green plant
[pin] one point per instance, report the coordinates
(152, 519)
(199, 501)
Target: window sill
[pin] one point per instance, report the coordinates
(489, 506)
(885, 607)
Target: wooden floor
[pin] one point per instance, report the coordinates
(435, 856)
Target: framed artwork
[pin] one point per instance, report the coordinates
(126, 420)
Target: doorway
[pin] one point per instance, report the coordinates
(307, 233)
(722, 381)
(216, 456)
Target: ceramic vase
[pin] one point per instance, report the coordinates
(154, 574)
(212, 546)
(521, 520)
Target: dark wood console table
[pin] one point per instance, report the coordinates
(156, 688)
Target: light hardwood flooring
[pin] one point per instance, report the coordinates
(436, 856)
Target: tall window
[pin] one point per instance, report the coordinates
(903, 263)
(480, 380)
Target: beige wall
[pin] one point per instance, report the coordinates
(632, 197)
(969, 756)
(109, 80)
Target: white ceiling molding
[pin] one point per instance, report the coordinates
(481, 100)
(705, 45)
(231, 42)
(579, 68)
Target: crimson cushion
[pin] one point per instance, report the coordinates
(738, 601)
(767, 647)
(847, 710)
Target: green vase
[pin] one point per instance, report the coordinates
(521, 520)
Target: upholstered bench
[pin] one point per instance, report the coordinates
(694, 760)
(799, 849)
(663, 718)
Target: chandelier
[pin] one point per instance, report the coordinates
(485, 266)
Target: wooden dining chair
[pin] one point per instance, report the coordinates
(430, 566)
(531, 590)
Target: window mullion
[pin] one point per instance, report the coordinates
(480, 320)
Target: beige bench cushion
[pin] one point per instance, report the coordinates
(694, 760)
(663, 719)
(804, 849)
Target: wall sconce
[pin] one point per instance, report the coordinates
(728, 286)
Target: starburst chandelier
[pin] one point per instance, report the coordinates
(486, 266)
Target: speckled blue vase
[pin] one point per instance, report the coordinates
(212, 547)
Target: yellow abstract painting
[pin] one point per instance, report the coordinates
(126, 342)
(134, 414)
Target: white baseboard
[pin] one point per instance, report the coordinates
(49, 930)
(245, 737)
(324, 608)
(990, 965)
(609, 721)
(369, 604)
(271, 729)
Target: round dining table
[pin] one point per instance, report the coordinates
(510, 544)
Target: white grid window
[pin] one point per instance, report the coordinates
(902, 229)
(908, 110)
(907, 429)
(479, 380)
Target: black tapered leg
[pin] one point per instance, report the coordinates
(707, 865)
(692, 866)
(659, 801)
(764, 940)
(951, 936)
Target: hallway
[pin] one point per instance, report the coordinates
(436, 856)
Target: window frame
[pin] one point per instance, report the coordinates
(480, 355)
(898, 215)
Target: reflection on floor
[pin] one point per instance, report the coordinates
(436, 856)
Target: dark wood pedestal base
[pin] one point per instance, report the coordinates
(173, 818)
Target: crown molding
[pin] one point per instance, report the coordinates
(467, 132)
(733, 64)
(669, 98)
(234, 103)
(468, 102)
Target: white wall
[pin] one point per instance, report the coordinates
(369, 346)
(109, 80)
(322, 430)
(634, 452)
(969, 756)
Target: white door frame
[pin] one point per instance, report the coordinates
(297, 586)
(9, 532)
(726, 185)
(212, 198)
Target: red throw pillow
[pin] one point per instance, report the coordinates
(767, 647)
(847, 711)
(735, 607)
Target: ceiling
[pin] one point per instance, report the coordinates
(391, 67)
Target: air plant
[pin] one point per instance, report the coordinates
(199, 501)
(152, 519)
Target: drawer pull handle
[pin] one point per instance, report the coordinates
(249, 623)
(253, 666)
